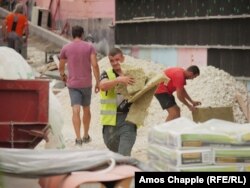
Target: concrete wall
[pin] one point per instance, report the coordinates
(43, 3)
(168, 56)
(79, 9)
(191, 56)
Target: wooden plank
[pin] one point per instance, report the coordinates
(245, 107)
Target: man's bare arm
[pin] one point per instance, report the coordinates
(96, 71)
(182, 94)
(107, 84)
(61, 69)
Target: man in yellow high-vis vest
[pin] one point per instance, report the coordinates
(118, 134)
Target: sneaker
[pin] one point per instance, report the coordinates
(78, 142)
(86, 139)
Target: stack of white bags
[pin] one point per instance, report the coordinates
(215, 145)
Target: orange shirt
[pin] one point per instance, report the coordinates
(22, 22)
(177, 80)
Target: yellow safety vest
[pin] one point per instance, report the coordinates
(108, 103)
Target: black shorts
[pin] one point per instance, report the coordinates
(166, 100)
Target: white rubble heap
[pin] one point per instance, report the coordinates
(213, 87)
(217, 88)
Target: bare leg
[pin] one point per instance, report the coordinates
(173, 113)
(76, 120)
(86, 120)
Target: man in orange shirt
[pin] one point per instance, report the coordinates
(164, 92)
(15, 26)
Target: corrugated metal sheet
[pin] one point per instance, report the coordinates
(190, 32)
(235, 62)
(129, 9)
(218, 25)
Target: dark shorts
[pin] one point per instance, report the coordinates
(81, 96)
(166, 100)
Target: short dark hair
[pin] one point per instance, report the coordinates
(194, 69)
(77, 31)
(115, 51)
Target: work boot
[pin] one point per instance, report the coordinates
(78, 143)
(86, 139)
